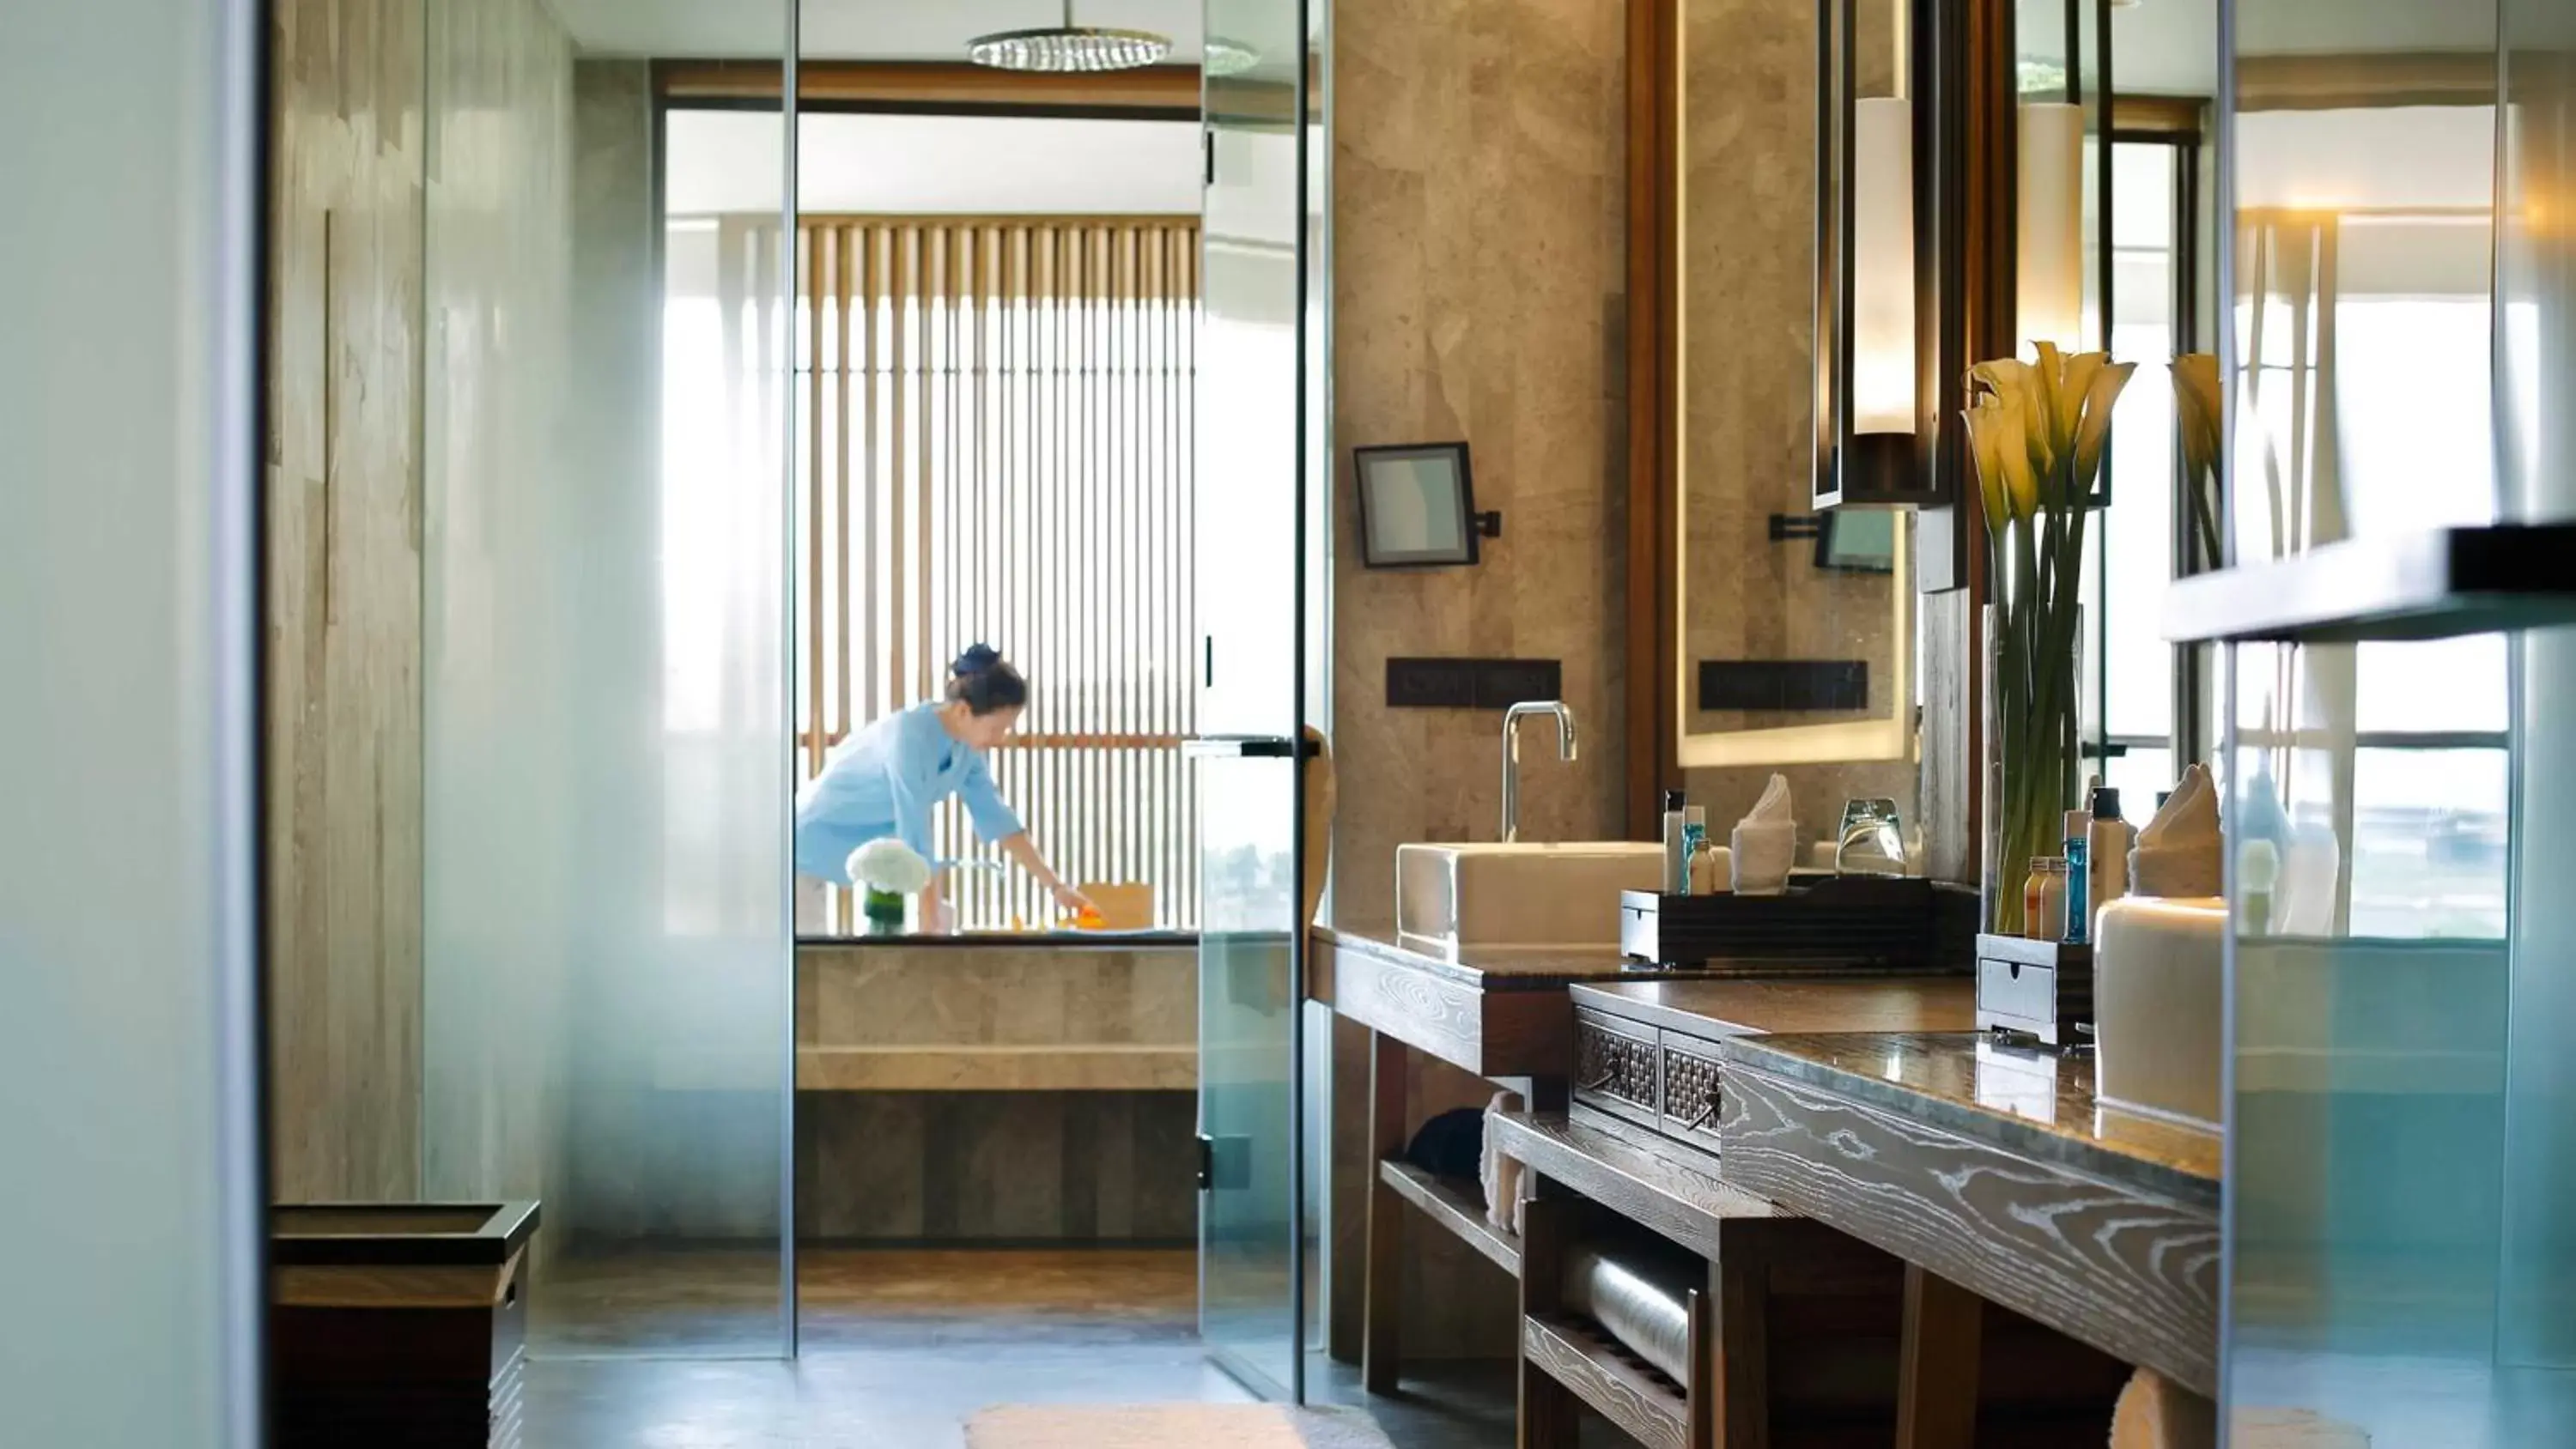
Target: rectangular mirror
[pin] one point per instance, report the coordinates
(1789, 648)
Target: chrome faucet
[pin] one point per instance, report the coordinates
(1512, 718)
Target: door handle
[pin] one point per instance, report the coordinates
(1246, 747)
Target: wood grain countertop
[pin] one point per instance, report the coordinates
(1996, 1168)
(2037, 1103)
(1727, 1007)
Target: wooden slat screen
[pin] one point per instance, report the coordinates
(994, 444)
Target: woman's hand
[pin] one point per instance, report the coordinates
(1073, 900)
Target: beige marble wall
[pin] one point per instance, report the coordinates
(342, 609)
(1478, 252)
(1479, 236)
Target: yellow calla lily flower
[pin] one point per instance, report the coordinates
(2020, 452)
(2198, 406)
(2073, 389)
(1987, 439)
(2103, 393)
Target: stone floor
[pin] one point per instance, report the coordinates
(900, 1348)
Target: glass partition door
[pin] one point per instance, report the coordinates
(1251, 467)
(606, 996)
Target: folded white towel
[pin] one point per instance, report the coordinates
(1502, 1176)
(2179, 854)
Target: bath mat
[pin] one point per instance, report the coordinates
(1172, 1426)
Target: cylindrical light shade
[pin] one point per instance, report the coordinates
(2049, 300)
(1882, 283)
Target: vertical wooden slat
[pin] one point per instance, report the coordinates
(812, 293)
(1003, 450)
(844, 238)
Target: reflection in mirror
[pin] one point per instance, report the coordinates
(1794, 638)
(2148, 707)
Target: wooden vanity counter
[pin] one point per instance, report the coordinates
(1996, 1169)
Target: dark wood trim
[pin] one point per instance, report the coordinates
(2365, 81)
(949, 87)
(1382, 1291)
(2174, 120)
(1938, 1360)
(1654, 270)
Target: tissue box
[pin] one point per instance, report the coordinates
(2038, 988)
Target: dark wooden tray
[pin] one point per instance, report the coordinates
(399, 1234)
(1850, 921)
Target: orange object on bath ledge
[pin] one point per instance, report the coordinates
(1116, 907)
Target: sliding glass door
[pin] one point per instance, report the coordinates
(1252, 464)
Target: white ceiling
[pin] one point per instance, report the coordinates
(728, 161)
(849, 29)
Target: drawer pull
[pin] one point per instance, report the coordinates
(1715, 1104)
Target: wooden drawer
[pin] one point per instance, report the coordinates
(1691, 1101)
(1618, 1067)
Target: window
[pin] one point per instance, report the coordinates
(2363, 343)
(994, 444)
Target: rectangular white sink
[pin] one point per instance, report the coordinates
(1553, 894)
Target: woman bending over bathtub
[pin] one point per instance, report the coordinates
(884, 780)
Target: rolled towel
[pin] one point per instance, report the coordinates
(1764, 844)
(2179, 853)
(1640, 1295)
(1502, 1176)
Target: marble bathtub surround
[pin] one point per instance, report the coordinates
(996, 1093)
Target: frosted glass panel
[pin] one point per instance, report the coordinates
(607, 978)
(129, 1198)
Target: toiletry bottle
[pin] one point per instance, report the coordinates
(2044, 900)
(2079, 913)
(1676, 858)
(1694, 836)
(2108, 851)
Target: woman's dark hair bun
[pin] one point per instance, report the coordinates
(983, 682)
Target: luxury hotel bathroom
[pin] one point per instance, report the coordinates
(1129, 723)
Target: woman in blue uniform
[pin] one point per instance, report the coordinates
(884, 781)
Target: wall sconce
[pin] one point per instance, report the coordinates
(2048, 289)
(1869, 273)
(1883, 403)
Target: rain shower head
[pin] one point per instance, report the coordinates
(1068, 47)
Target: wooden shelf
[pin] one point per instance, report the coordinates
(1455, 1205)
(1103, 1067)
(1623, 1388)
(2434, 584)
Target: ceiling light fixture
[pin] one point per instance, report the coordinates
(1068, 47)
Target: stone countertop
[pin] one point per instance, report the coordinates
(1821, 1002)
(2034, 1103)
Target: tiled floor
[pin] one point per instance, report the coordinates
(901, 1348)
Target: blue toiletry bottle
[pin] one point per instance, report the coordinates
(2079, 903)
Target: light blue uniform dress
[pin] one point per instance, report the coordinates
(883, 782)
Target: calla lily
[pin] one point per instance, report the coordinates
(2101, 394)
(1987, 428)
(2011, 378)
(2074, 394)
(2020, 453)
(2197, 406)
